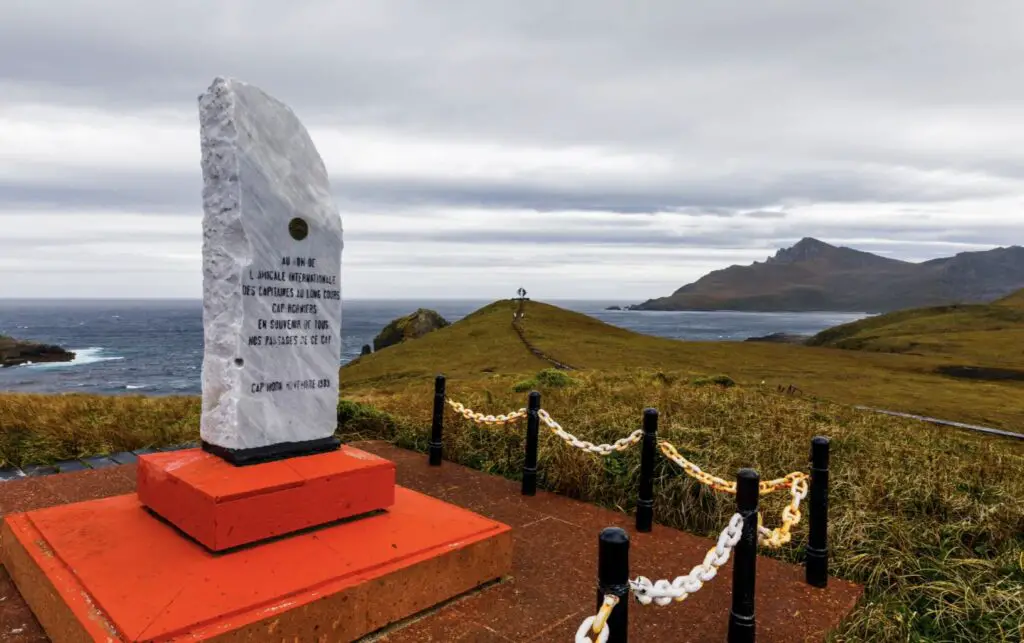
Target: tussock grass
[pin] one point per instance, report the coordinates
(931, 520)
(721, 380)
(38, 429)
(547, 379)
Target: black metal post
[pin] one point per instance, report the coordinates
(645, 497)
(744, 570)
(613, 578)
(532, 438)
(817, 537)
(437, 424)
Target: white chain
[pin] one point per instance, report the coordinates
(582, 635)
(480, 418)
(598, 623)
(600, 449)
(663, 592)
(775, 538)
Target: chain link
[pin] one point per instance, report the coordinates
(720, 484)
(600, 449)
(663, 592)
(480, 418)
(775, 538)
(598, 624)
(796, 482)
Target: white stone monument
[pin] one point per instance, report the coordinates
(272, 242)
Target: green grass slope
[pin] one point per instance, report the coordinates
(484, 346)
(478, 345)
(986, 335)
(1013, 300)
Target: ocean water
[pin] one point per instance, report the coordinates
(155, 347)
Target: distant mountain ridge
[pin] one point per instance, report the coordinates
(814, 275)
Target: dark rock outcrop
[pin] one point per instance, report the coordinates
(780, 338)
(15, 352)
(411, 326)
(816, 276)
(366, 350)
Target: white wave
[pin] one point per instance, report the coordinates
(82, 356)
(132, 387)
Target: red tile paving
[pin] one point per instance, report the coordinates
(552, 587)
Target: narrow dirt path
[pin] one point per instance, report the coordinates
(931, 420)
(517, 325)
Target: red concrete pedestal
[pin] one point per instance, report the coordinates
(223, 506)
(320, 547)
(108, 570)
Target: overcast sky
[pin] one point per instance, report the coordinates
(590, 149)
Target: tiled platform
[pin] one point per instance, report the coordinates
(83, 464)
(552, 588)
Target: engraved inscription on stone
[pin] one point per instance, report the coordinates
(272, 243)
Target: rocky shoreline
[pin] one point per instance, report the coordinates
(16, 352)
(780, 338)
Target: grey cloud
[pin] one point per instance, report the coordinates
(738, 194)
(577, 237)
(747, 190)
(778, 103)
(112, 192)
(438, 260)
(702, 76)
(162, 48)
(49, 239)
(709, 211)
(905, 240)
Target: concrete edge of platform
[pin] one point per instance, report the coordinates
(85, 463)
(379, 599)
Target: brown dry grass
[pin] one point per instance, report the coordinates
(930, 519)
(38, 428)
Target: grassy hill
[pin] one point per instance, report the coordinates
(484, 345)
(930, 519)
(980, 335)
(1013, 300)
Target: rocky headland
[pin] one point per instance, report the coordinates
(816, 276)
(411, 326)
(780, 338)
(16, 352)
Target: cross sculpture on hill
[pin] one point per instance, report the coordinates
(518, 314)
